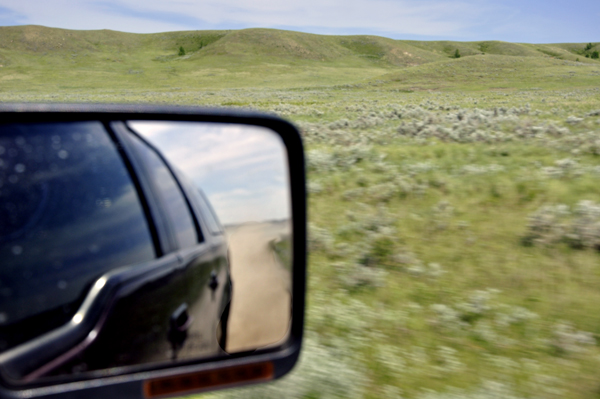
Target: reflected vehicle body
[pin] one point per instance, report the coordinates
(110, 258)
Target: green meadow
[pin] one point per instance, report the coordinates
(454, 204)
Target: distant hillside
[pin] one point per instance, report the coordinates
(32, 57)
(497, 72)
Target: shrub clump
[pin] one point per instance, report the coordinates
(353, 276)
(566, 340)
(578, 227)
(319, 239)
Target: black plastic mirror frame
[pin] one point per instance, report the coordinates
(219, 373)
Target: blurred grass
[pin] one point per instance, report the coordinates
(282, 248)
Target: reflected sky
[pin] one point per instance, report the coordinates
(242, 169)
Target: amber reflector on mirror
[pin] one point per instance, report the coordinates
(181, 384)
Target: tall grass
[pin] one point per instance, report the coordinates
(453, 247)
(453, 213)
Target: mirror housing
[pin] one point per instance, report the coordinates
(185, 376)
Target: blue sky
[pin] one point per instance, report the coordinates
(527, 21)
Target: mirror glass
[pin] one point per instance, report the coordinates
(135, 243)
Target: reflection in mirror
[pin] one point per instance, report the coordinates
(118, 254)
(243, 172)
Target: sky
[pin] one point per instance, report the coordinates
(241, 169)
(525, 21)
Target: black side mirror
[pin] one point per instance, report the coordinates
(141, 250)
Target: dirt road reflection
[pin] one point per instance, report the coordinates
(261, 305)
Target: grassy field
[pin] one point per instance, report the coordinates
(454, 204)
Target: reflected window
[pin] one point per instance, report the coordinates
(170, 194)
(208, 212)
(69, 213)
(202, 205)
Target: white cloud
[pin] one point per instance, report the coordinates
(86, 15)
(397, 16)
(242, 169)
(384, 15)
(198, 148)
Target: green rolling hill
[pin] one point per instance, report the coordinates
(36, 58)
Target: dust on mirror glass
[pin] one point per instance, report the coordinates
(126, 245)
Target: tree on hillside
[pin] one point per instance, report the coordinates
(595, 55)
(457, 54)
(181, 51)
(588, 47)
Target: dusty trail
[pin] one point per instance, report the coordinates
(261, 305)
